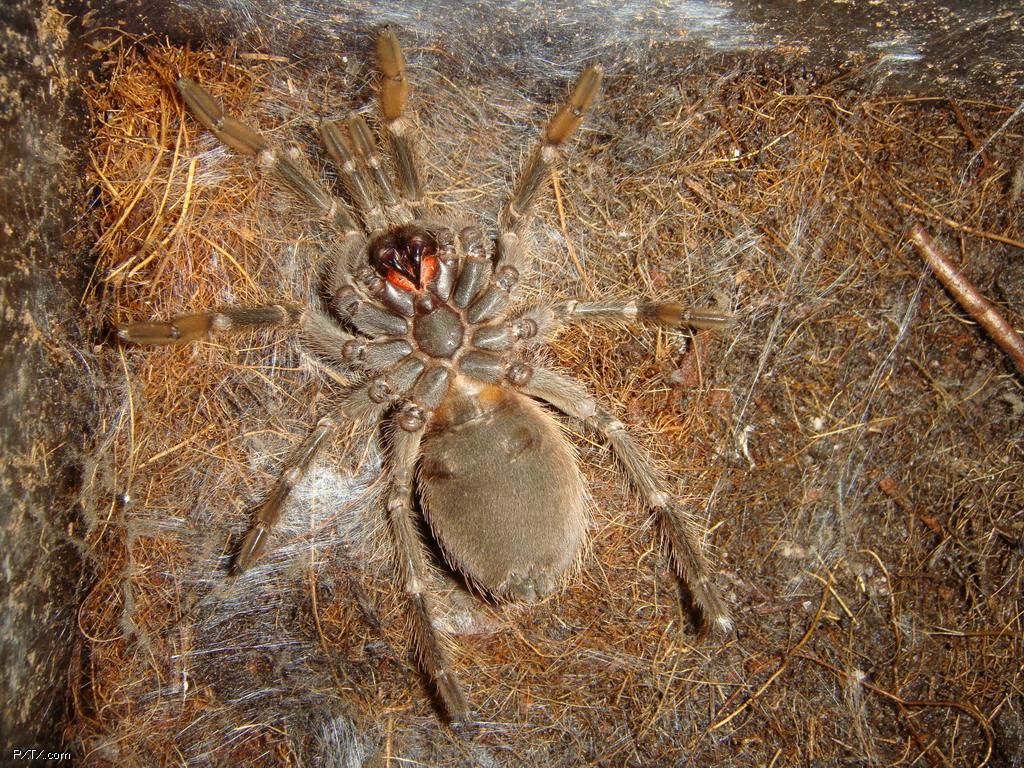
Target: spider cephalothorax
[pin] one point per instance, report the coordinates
(422, 316)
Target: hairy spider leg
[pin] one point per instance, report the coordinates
(413, 573)
(543, 160)
(680, 530)
(286, 166)
(394, 90)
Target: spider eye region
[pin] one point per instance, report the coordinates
(406, 257)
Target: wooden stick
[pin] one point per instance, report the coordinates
(977, 306)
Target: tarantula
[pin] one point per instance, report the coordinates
(423, 314)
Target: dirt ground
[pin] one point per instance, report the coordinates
(852, 444)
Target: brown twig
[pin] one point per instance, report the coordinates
(963, 227)
(977, 306)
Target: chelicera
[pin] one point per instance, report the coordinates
(422, 314)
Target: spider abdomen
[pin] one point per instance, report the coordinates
(502, 491)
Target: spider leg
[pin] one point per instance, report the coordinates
(366, 148)
(258, 537)
(680, 529)
(394, 90)
(367, 401)
(549, 319)
(323, 335)
(183, 329)
(475, 267)
(320, 333)
(482, 291)
(414, 575)
(357, 185)
(287, 166)
(542, 160)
